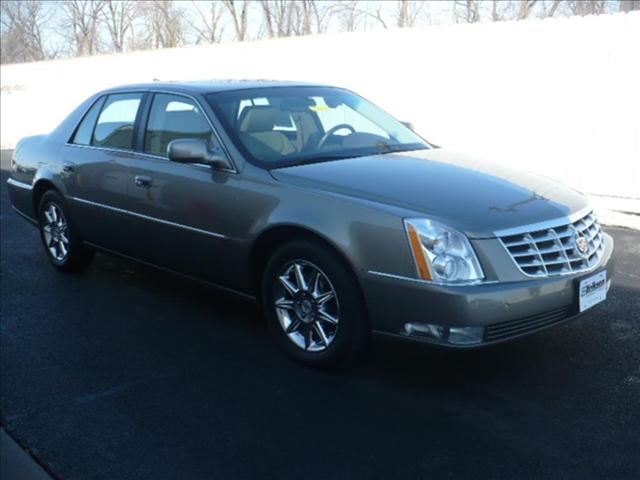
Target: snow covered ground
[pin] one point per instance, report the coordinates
(559, 96)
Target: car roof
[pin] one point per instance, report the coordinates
(211, 86)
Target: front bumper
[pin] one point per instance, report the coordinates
(505, 310)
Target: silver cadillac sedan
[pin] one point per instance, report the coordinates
(336, 217)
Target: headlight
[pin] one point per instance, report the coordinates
(442, 254)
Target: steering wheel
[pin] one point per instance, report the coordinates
(331, 131)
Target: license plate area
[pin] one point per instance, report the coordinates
(592, 290)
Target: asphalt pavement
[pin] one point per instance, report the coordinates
(125, 372)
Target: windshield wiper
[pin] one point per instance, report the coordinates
(321, 158)
(383, 146)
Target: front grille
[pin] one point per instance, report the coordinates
(513, 328)
(553, 251)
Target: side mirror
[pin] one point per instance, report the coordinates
(409, 125)
(194, 150)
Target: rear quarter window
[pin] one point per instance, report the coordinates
(82, 135)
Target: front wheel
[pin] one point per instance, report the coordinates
(59, 236)
(313, 304)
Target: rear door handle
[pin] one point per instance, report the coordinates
(143, 181)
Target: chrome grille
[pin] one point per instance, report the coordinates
(553, 251)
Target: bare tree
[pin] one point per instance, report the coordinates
(377, 15)
(495, 16)
(350, 15)
(408, 12)
(466, 11)
(284, 18)
(629, 5)
(165, 24)
(587, 7)
(82, 21)
(23, 25)
(523, 9)
(549, 10)
(526, 7)
(239, 11)
(118, 17)
(210, 28)
(316, 14)
(279, 17)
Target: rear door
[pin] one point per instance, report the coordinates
(95, 171)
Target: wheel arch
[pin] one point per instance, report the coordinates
(272, 238)
(39, 188)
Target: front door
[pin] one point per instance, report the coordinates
(181, 213)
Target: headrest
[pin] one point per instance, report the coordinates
(259, 119)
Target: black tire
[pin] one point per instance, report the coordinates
(77, 256)
(351, 333)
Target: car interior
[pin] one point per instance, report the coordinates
(265, 129)
(277, 127)
(174, 125)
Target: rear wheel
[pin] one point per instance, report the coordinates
(313, 304)
(60, 239)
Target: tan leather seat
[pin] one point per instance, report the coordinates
(256, 131)
(306, 128)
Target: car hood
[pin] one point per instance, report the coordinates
(473, 195)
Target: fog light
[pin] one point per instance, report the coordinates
(465, 335)
(435, 332)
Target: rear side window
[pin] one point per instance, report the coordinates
(116, 121)
(85, 129)
(173, 117)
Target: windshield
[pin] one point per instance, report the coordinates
(284, 126)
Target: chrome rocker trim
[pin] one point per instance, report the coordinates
(24, 215)
(147, 217)
(18, 184)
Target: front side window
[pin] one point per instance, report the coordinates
(83, 133)
(284, 126)
(173, 117)
(116, 121)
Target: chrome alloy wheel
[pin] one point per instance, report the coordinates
(306, 306)
(56, 233)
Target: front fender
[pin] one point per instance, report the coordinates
(368, 238)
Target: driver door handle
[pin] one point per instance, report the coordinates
(68, 167)
(143, 181)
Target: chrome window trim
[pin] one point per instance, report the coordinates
(104, 149)
(18, 184)
(199, 165)
(430, 283)
(155, 157)
(556, 222)
(234, 168)
(150, 218)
